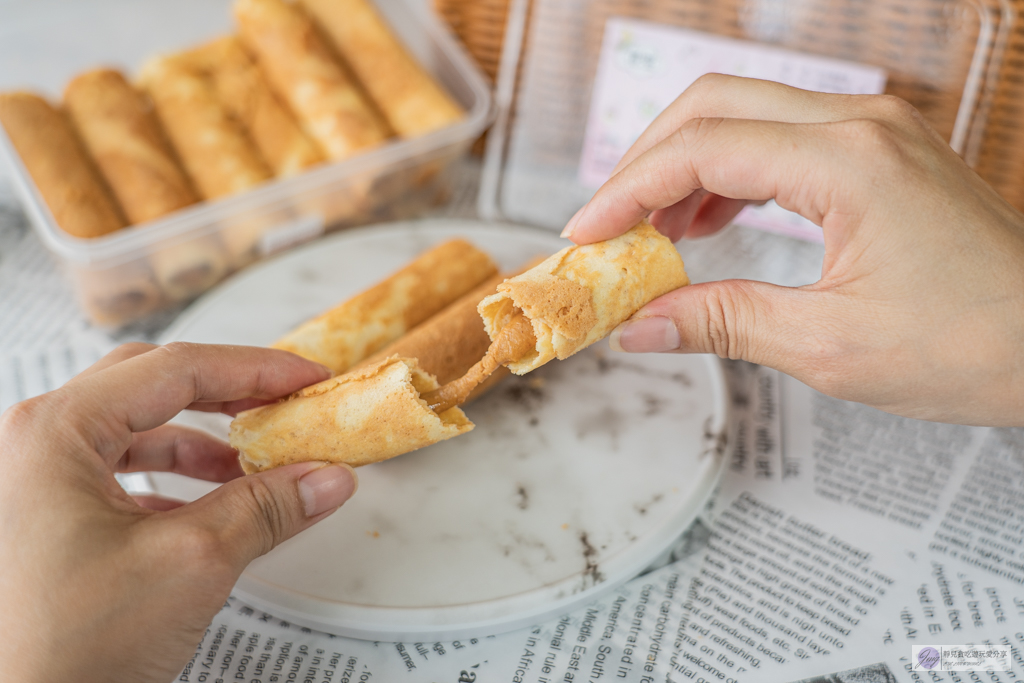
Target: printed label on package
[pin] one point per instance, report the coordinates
(644, 66)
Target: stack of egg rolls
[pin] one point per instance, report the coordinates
(121, 131)
(410, 99)
(302, 69)
(302, 83)
(244, 93)
(79, 199)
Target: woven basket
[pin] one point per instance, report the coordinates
(920, 43)
(1000, 160)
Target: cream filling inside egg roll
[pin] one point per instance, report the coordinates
(579, 295)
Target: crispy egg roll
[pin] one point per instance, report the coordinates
(411, 100)
(118, 127)
(244, 93)
(579, 295)
(371, 320)
(448, 343)
(217, 154)
(53, 155)
(302, 70)
(357, 418)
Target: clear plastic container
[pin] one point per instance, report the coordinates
(943, 56)
(148, 267)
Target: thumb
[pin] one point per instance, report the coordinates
(737, 319)
(251, 515)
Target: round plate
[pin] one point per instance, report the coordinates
(575, 479)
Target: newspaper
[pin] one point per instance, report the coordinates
(842, 540)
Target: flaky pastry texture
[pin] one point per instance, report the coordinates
(358, 418)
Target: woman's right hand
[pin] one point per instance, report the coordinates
(920, 307)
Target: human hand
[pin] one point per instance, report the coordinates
(920, 307)
(96, 587)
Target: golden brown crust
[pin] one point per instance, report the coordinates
(218, 155)
(118, 127)
(358, 418)
(301, 69)
(245, 94)
(609, 282)
(53, 155)
(409, 97)
(369, 321)
(447, 344)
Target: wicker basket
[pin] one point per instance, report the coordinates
(1000, 160)
(918, 42)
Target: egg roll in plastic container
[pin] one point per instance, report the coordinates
(216, 152)
(64, 174)
(412, 101)
(123, 135)
(301, 69)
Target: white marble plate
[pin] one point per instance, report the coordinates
(576, 477)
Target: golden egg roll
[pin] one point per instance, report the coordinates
(246, 95)
(357, 418)
(301, 69)
(217, 154)
(448, 343)
(69, 183)
(120, 131)
(371, 320)
(579, 295)
(411, 100)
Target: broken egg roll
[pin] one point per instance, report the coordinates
(411, 100)
(357, 418)
(371, 320)
(579, 295)
(118, 127)
(53, 155)
(448, 343)
(302, 70)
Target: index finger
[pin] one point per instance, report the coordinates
(143, 392)
(795, 164)
(734, 97)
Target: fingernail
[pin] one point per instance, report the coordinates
(571, 225)
(327, 488)
(645, 335)
(327, 371)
